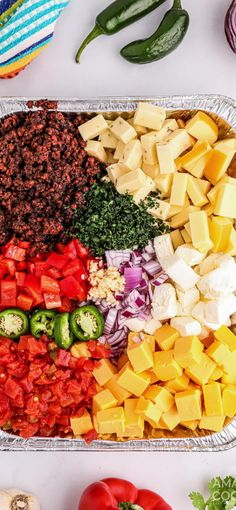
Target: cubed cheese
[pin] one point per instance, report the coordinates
(96, 150)
(117, 390)
(188, 350)
(140, 356)
(231, 248)
(190, 297)
(160, 396)
(135, 324)
(226, 336)
(197, 168)
(200, 373)
(163, 247)
(165, 366)
(148, 143)
(151, 326)
(214, 423)
(140, 130)
(93, 127)
(131, 156)
(131, 181)
(80, 349)
(132, 382)
(152, 171)
(179, 187)
(163, 183)
(226, 144)
(203, 128)
(188, 160)
(195, 192)
(188, 404)
(104, 371)
(221, 354)
(179, 142)
(229, 400)
(175, 209)
(204, 185)
(212, 399)
(191, 425)
(183, 275)
(111, 421)
(220, 281)
(149, 116)
(217, 374)
(166, 337)
(165, 158)
(134, 423)
(115, 171)
(186, 236)
(160, 210)
(220, 231)
(81, 424)
(181, 218)
(119, 150)
(170, 419)
(164, 304)
(219, 311)
(108, 140)
(178, 384)
(143, 192)
(217, 165)
(200, 231)
(176, 238)
(226, 201)
(103, 400)
(189, 254)
(150, 412)
(122, 130)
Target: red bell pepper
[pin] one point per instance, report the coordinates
(115, 494)
(57, 260)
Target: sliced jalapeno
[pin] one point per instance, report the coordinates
(42, 323)
(13, 323)
(87, 323)
(62, 332)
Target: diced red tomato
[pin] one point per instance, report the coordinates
(15, 253)
(11, 388)
(20, 278)
(8, 293)
(67, 305)
(57, 260)
(52, 300)
(21, 266)
(97, 350)
(25, 302)
(90, 436)
(82, 251)
(49, 285)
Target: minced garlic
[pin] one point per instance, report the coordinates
(105, 284)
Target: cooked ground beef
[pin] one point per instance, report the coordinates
(44, 173)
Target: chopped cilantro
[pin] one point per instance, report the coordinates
(222, 495)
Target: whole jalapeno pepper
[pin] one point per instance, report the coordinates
(117, 16)
(42, 322)
(13, 323)
(166, 39)
(62, 332)
(87, 323)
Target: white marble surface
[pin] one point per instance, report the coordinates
(204, 63)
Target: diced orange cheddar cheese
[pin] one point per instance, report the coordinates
(132, 382)
(220, 231)
(153, 376)
(166, 337)
(170, 419)
(214, 423)
(192, 157)
(229, 378)
(134, 423)
(150, 412)
(209, 209)
(188, 350)
(217, 374)
(160, 396)
(225, 336)
(111, 421)
(81, 424)
(191, 425)
(116, 389)
(229, 400)
(80, 349)
(195, 192)
(103, 400)
(217, 165)
(212, 399)
(104, 371)
(200, 373)
(140, 356)
(203, 128)
(122, 361)
(165, 366)
(179, 384)
(226, 201)
(188, 404)
(221, 354)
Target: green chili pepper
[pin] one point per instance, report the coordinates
(13, 323)
(87, 323)
(118, 15)
(62, 333)
(42, 322)
(167, 37)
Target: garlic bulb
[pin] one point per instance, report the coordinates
(15, 499)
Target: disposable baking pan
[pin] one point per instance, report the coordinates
(223, 109)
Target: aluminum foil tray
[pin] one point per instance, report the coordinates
(223, 109)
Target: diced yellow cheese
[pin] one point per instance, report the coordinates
(165, 158)
(191, 425)
(208, 209)
(150, 339)
(103, 400)
(81, 424)
(212, 399)
(188, 350)
(197, 169)
(181, 218)
(214, 423)
(221, 354)
(179, 384)
(226, 201)
(140, 130)
(179, 142)
(150, 412)
(163, 183)
(204, 185)
(122, 130)
(165, 366)
(111, 421)
(116, 389)
(80, 349)
(132, 382)
(229, 400)
(200, 231)
(131, 181)
(148, 143)
(203, 128)
(144, 191)
(153, 376)
(179, 188)
(160, 396)
(160, 210)
(175, 209)
(93, 127)
(220, 230)
(231, 248)
(229, 378)
(110, 158)
(140, 356)
(171, 418)
(119, 150)
(200, 373)
(217, 374)
(226, 144)
(131, 156)
(151, 170)
(195, 192)
(225, 336)
(134, 423)
(176, 238)
(115, 171)
(108, 140)
(166, 337)
(96, 150)
(149, 116)
(104, 371)
(186, 236)
(217, 165)
(168, 126)
(188, 404)
(191, 158)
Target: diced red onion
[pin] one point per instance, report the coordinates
(115, 258)
(159, 279)
(133, 277)
(147, 257)
(152, 267)
(110, 321)
(149, 248)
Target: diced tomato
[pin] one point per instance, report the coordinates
(97, 350)
(20, 278)
(90, 436)
(82, 250)
(57, 260)
(8, 293)
(82, 292)
(74, 266)
(36, 347)
(11, 388)
(81, 277)
(63, 358)
(52, 300)
(26, 385)
(25, 302)
(70, 250)
(31, 267)
(49, 285)
(15, 253)
(67, 305)
(41, 268)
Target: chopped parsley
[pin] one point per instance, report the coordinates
(110, 221)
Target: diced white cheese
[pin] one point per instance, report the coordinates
(198, 312)
(119, 149)
(219, 311)
(135, 324)
(190, 255)
(160, 210)
(131, 156)
(123, 130)
(165, 158)
(163, 247)
(149, 115)
(108, 140)
(179, 141)
(186, 326)
(183, 275)
(219, 282)
(151, 325)
(185, 311)
(190, 297)
(93, 127)
(164, 304)
(96, 150)
(209, 263)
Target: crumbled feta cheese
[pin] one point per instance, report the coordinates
(164, 304)
(220, 281)
(190, 255)
(186, 326)
(181, 274)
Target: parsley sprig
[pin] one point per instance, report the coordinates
(222, 495)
